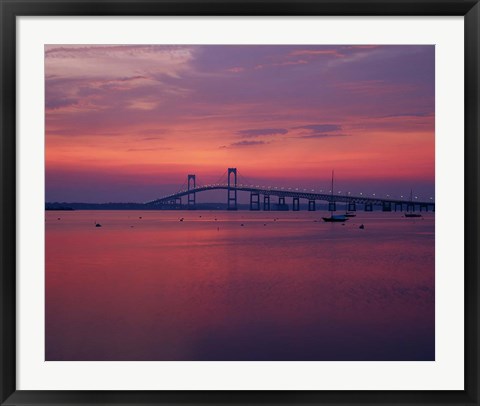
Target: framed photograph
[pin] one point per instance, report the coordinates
(239, 202)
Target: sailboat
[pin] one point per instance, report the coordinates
(411, 213)
(335, 218)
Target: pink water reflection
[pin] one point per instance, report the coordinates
(156, 288)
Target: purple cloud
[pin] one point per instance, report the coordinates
(320, 128)
(246, 143)
(260, 132)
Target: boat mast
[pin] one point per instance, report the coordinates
(332, 194)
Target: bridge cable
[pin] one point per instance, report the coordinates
(219, 180)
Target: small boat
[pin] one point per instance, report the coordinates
(335, 218)
(97, 224)
(412, 215)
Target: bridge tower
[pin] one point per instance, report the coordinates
(191, 182)
(232, 193)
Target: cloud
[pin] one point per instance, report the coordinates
(142, 105)
(60, 102)
(320, 128)
(260, 132)
(312, 131)
(246, 143)
(116, 61)
(236, 69)
(80, 78)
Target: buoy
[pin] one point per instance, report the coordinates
(361, 227)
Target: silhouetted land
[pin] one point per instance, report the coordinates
(135, 206)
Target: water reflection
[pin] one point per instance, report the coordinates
(147, 286)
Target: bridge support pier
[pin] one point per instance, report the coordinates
(282, 206)
(396, 205)
(386, 206)
(332, 206)
(311, 205)
(296, 204)
(424, 206)
(368, 207)
(410, 207)
(266, 202)
(191, 182)
(352, 206)
(254, 201)
(232, 189)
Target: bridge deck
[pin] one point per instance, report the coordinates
(281, 192)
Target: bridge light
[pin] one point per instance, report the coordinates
(401, 196)
(416, 197)
(431, 198)
(361, 193)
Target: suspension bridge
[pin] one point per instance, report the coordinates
(232, 187)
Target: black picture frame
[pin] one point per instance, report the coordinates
(10, 9)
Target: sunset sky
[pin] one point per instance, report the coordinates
(128, 123)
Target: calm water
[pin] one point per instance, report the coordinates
(155, 288)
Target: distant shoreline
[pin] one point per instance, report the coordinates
(56, 206)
